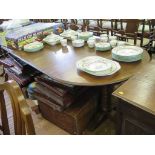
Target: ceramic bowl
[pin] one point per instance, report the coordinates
(91, 43)
(78, 43)
(85, 35)
(102, 46)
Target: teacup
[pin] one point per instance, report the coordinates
(113, 43)
(91, 43)
(104, 39)
(63, 42)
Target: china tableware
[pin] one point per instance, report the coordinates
(102, 46)
(98, 66)
(85, 35)
(78, 43)
(113, 43)
(63, 42)
(33, 47)
(127, 53)
(91, 43)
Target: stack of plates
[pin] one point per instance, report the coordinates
(98, 66)
(33, 47)
(102, 46)
(85, 35)
(127, 53)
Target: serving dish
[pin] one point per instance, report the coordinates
(85, 35)
(98, 66)
(127, 53)
(33, 47)
(102, 46)
(68, 34)
(78, 43)
(52, 39)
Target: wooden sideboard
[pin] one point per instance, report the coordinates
(136, 105)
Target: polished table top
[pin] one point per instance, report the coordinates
(60, 64)
(140, 89)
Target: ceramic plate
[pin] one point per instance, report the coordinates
(127, 53)
(110, 67)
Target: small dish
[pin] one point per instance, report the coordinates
(91, 43)
(78, 43)
(102, 46)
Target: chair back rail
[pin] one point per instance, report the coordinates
(23, 123)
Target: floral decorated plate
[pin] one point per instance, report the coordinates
(98, 66)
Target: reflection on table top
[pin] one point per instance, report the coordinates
(60, 64)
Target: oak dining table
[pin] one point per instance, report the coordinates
(59, 63)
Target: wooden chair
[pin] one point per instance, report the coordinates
(73, 27)
(22, 110)
(131, 31)
(109, 28)
(97, 30)
(23, 123)
(151, 44)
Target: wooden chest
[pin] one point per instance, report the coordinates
(76, 118)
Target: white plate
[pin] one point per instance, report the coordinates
(113, 69)
(127, 53)
(97, 65)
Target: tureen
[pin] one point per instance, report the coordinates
(85, 35)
